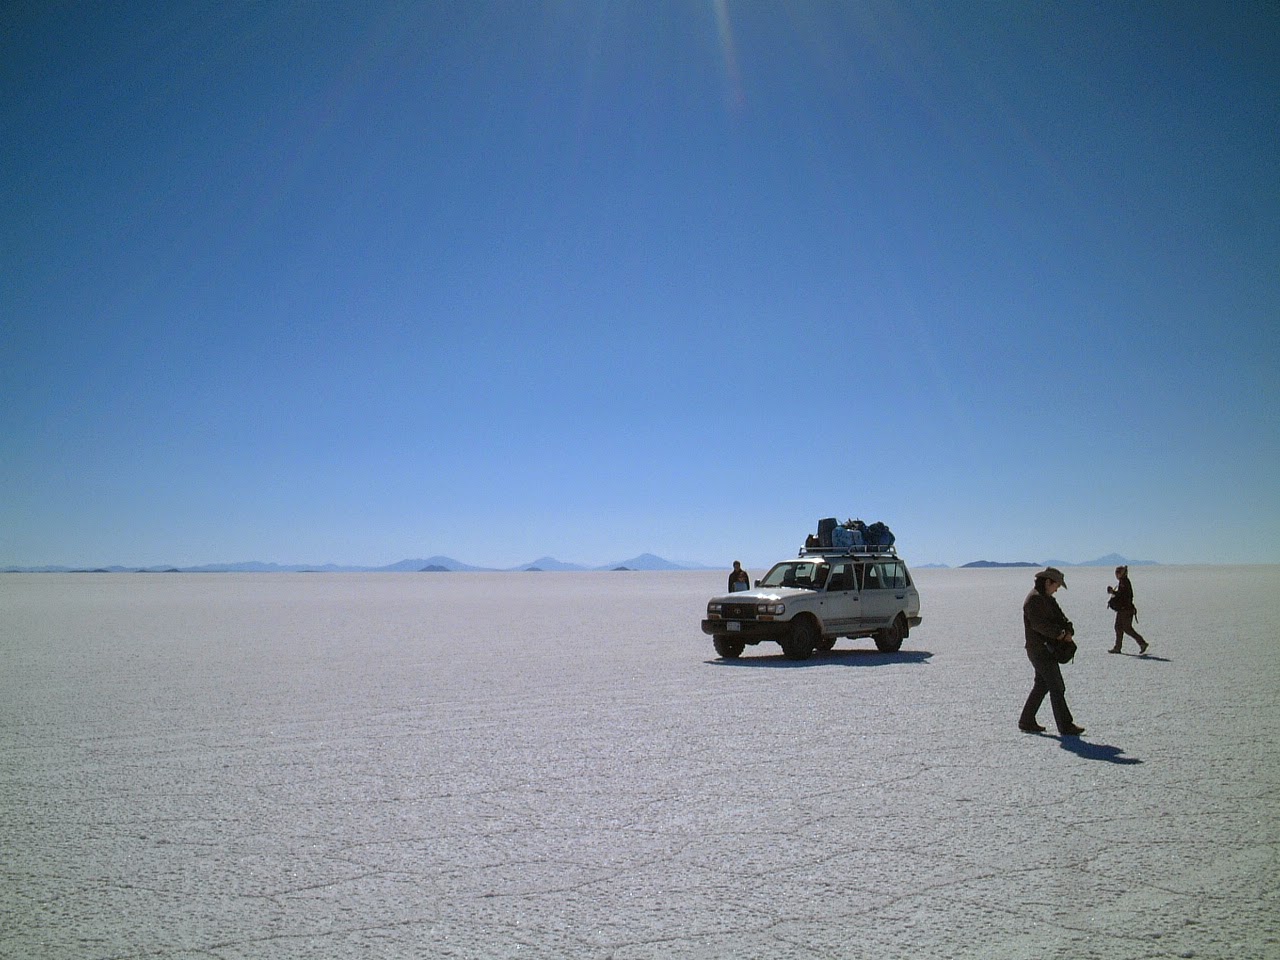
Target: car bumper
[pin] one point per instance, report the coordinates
(752, 631)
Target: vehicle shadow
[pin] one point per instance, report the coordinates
(1087, 750)
(844, 658)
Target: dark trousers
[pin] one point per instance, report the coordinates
(1048, 681)
(1124, 625)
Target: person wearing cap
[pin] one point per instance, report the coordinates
(1044, 622)
(1122, 603)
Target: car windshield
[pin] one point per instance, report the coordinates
(797, 573)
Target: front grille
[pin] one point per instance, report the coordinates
(739, 611)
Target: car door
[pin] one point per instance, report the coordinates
(840, 603)
(877, 597)
(893, 575)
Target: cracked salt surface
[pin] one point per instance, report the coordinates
(557, 765)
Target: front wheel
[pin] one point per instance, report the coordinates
(728, 647)
(800, 640)
(890, 640)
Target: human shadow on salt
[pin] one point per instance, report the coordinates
(1144, 656)
(1088, 750)
(842, 658)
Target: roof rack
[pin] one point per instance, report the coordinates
(860, 550)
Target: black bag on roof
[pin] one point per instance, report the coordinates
(879, 535)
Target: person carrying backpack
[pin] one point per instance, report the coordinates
(1122, 603)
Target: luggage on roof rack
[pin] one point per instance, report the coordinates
(852, 536)
(879, 534)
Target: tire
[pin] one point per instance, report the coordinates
(728, 647)
(890, 640)
(800, 640)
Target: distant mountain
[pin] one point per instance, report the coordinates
(1110, 560)
(1115, 560)
(430, 565)
(550, 564)
(646, 561)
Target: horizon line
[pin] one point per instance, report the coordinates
(453, 565)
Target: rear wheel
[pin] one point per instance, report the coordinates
(728, 647)
(890, 640)
(800, 640)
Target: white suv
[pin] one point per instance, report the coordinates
(808, 603)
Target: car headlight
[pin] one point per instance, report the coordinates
(713, 609)
(772, 609)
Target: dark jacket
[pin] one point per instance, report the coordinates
(1122, 599)
(1043, 619)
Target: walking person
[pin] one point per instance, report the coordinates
(1044, 624)
(739, 579)
(1122, 603)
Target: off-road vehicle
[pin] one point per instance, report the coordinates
(810, 602)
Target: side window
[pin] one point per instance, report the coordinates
(872, 579)
(894, 576)
(841, 577)
(811, 575)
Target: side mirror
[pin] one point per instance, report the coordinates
(757, 582)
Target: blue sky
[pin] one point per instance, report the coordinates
(311, 282)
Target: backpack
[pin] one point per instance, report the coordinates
(879, 535)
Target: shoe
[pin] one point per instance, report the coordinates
(1142, 651)
(1114, 650)
(1071, 731)
(1030, 728)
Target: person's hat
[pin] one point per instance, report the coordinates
(1054, 574)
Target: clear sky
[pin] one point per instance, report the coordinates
(354, 282)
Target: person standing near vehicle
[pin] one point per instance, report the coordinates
(1044, 623)
(739, 579)
(1122, 603)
